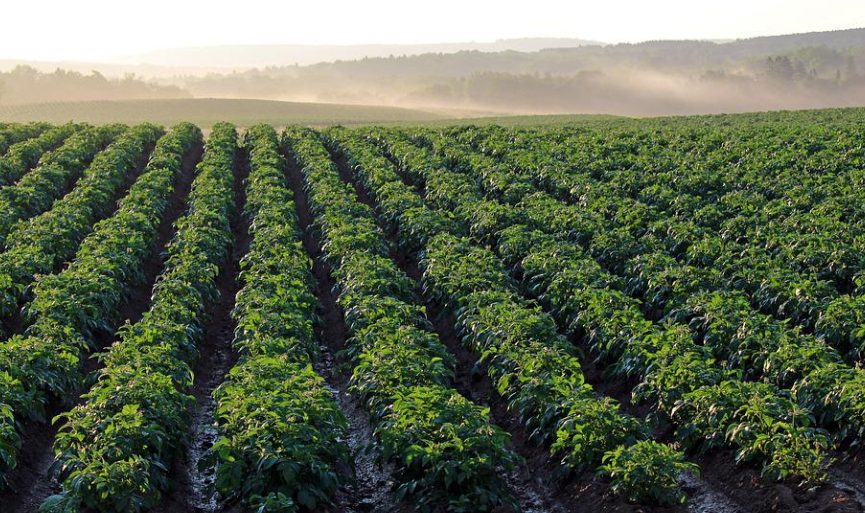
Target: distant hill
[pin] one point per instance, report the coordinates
(814, 70)
(555, 56)
(515, 76)
(25, 85)
(835, 39)
(257, 56)
(113, 70)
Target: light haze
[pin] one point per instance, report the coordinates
(101, 29)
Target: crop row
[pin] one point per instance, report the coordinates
(13, 133)
(790, 190)
(40, 244)
(533, 367)
(674, 371)
(753, 344)
(114, 450)
(57, 172)
(734, 259)
(444, 449)
(103, 449)
(794, 248)
(281, 437)
(24, 155)
(70, 307)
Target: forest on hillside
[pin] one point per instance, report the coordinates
(825, 69)
(25, 84)
(815, 70)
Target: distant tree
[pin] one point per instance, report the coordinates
(25, 84)
(851, 71)
(783, 68)
(799, 71)
(23, 71)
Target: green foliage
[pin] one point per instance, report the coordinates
(24, 155)
(647, 472)
(717, 265)
(576, 273)
(57, 172)
(446, 452)
(280, 432)
(453, 466)
(531, 365)
(69, 306)
(114, 449)
(281, 436)
(13, 133)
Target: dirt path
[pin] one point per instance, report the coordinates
(192, 490)
(370, 491)
(139, 298)
(30, 483)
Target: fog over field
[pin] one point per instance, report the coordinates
(668, 59)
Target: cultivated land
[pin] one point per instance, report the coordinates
(205, 112)
(591, 314)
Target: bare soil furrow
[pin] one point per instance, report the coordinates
(31, 482)
(192, 486)
(372, 483)
(532, 490)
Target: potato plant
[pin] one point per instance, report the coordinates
(56, 173)
(68, 307)
(281, 441)
(446, 451)
(23, 156)
(614, 323)
(532, 366)
(13, 133)
(714, 265)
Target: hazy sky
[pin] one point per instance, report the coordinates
(92, 29)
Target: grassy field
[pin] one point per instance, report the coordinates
(549, 120)
(205, 112)
(244, 113)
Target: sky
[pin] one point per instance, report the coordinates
(100, 29)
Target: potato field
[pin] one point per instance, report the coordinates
(608, 315)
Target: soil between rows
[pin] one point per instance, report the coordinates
(370, 490)
(192, 487)
(724, 487)
(30, 482)
(532, 482)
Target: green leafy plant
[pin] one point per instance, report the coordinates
(647, 472)
(445, 450)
